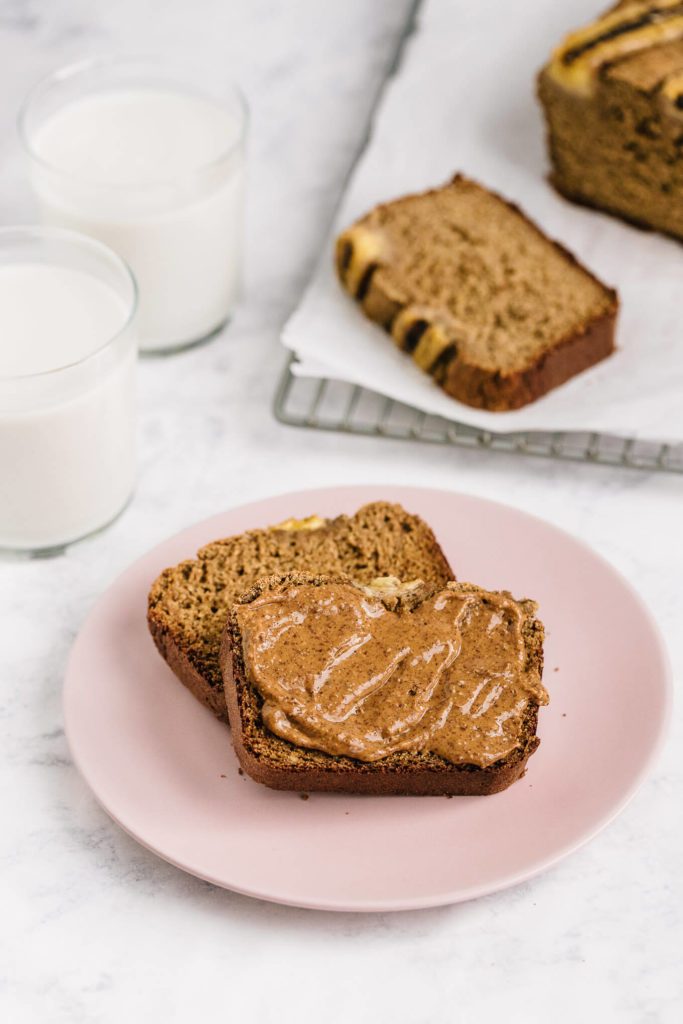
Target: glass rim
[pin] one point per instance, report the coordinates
(35, 232)
(76, 68)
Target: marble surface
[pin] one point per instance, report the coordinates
(95, 928)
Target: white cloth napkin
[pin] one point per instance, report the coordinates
(464, 100)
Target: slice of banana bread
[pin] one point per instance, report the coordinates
(189, 603)
(495, 311)
(388, 688)
(613, 101)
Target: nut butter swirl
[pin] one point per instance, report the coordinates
(339, 672)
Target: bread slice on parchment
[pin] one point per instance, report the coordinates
(189, 603)
(391, 688)
(481, 299)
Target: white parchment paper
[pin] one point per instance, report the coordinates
(464, 100)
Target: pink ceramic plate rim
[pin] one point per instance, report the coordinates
(331, 501)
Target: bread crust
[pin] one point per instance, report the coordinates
(276, 763)
(177, 659)
(479, 386)
(484, 389)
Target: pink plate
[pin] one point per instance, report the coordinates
(164, 768)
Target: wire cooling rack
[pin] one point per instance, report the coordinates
(323, 404)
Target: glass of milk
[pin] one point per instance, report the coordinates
(67, 361)
(152, 164)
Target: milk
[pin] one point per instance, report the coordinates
(66, 403)
(53, 316)
(157, 174)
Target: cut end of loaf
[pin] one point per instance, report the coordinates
(613, 107)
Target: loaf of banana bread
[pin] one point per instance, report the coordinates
(613, 100)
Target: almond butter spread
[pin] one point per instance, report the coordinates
(339, 672)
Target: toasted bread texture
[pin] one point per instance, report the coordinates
(274, 761)
(189, 603)
(496, 312)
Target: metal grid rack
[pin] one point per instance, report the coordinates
(323, 404)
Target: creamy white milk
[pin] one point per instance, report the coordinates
(66, 420)
(157, 175)
(53, 316)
